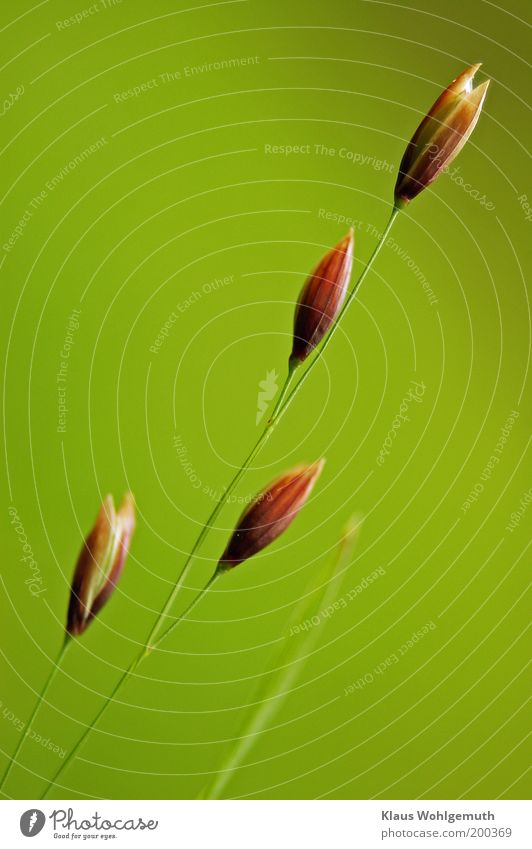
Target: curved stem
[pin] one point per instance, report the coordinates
(349, 299)
(283, 402)
(153, 641)
(286, 667)
(126, 673)
(214, 577)
(89, 728)
(35, 710)
(282, 394)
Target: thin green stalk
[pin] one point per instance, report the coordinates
(214, 577)
(126, 673)
(102, 710)
(283, 402)
(35, 710)
(349, 299)
(152, 642)
(287, 666)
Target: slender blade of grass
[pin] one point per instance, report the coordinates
(289, 660)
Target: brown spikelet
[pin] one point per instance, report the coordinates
(441, 135)
(269, 514)
(100, 563)
(321, 298)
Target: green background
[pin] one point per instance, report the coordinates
(183, 192)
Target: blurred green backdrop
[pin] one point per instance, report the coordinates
(195, 160)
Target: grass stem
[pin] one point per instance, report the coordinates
(288, 662)
(284, 400)
(38, 703)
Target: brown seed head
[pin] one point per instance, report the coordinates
(321, 298)
(441, 135)
(269, 514)
(100, 563)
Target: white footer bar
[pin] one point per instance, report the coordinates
(267, 824)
